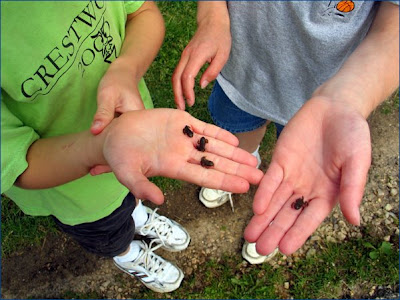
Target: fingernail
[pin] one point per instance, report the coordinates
(96, 124)
(204, 84)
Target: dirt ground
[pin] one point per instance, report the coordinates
(59, 265)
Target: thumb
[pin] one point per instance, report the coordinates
(141, 187)
(352, 183)
(104, 115)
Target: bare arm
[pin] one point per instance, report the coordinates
(141, 144)
(210, 44)
(118, 90)
(371, 73)
(324, 152)
(58, 160)
(144, 35)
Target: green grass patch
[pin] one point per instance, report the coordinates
(19, 230)
(348, 264)
(333, 272)
(391, 104)
(228, 278)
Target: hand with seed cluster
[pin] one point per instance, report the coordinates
(323, 157)
(147, 143)
(324, 152)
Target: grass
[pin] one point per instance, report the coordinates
(19, 230)
(340, 266)
(391, 104)
(333, 272)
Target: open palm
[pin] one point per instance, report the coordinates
(146, 143)
(323, 155)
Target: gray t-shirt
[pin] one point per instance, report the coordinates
(283, 50)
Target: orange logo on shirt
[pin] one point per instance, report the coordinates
(339, 8)
(345, 6)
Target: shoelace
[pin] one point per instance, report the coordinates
(160, 225)
(151, 262)
(223, 193)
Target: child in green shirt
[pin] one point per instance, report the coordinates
(56, 60)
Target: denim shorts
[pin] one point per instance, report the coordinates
(227, 115)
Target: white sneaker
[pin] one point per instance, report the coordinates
(170, 234)
(214, 198)
(250, 254)
(152, 270)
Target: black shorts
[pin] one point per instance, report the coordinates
(109, 236)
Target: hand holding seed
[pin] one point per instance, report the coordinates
(162, 142)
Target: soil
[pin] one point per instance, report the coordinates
(59, 268)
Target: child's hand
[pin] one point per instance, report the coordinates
(323, 155)
(146, 143)
(211, 44)
(117, 93)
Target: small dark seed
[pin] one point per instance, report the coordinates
(187, 131)
(299, 203)
(201, 144)
(206, 163)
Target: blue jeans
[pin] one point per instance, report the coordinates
(227, 115)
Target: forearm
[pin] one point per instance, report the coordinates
(144, 35)
(59, 160)
(371, 73)
(212, 12)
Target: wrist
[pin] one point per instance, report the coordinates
(213, 14)
(95, 146)
(338, 94)
(124, 65)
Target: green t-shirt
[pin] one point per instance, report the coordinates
(53, 55)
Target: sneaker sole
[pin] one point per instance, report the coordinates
(214, 203)
(260, 259)
(171, 288)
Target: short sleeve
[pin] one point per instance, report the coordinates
(132, 6)
(16, 138)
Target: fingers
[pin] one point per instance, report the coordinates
(183, 78)
(226, 150)
(213, 69)
(261, 221)
(290, 228)
(208, 130)
(188, 76)
(140, 186)
(104, 115)
(306, 223)
(257, 226)
(100, 169)
(112, 102)
(268, 185)
(227, 166)
(213, 177)
(352, 183)
(276, 229)
(177, 84)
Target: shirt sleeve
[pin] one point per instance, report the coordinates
(16, 138)
(132, 6)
